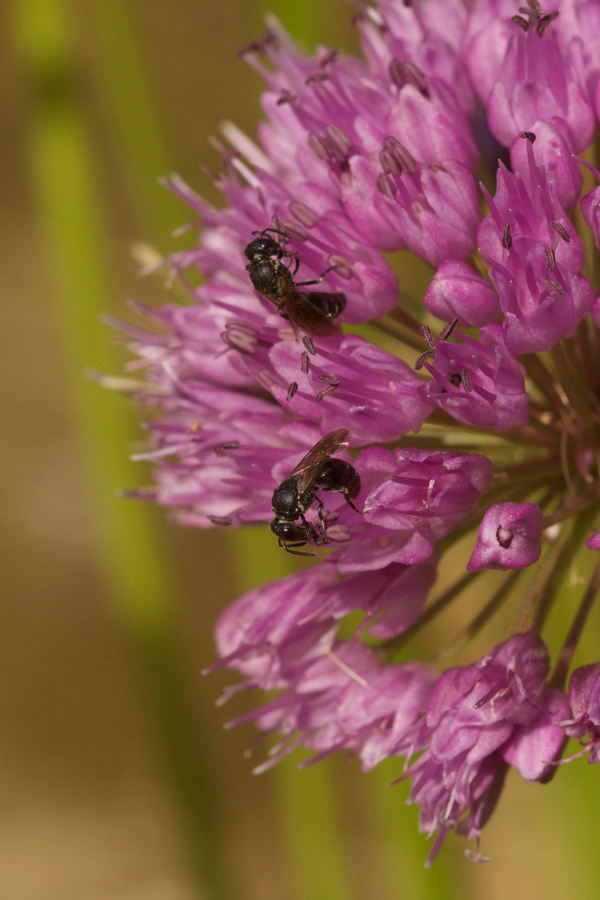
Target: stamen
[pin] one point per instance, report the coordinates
(329, 58)
(286, 97)
(318, 145)
(307, 216)
(342, 665)
(402, 156)
(342, 266)
(294, 230)
(224, 521)
(447, 331)
(397, 73)
(529, 136)
(417, 78)
(466, 380)
(545, 21)
(326, 391)
(317, 78)
(561, 231)
(389, 164)
(305, 363)
(553, 283)
(521, 22)
(260, 45)
(292, 389)
(219, 449)
(386, 186)
(550, 257)
(428, 335)
(341, 140)
(422, 359)
(241, 337)
(329, 379)
(507, 238)
(308, 343)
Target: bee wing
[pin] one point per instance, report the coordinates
(307, 314)
(311, 464)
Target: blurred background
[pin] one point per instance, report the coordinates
(117, 780)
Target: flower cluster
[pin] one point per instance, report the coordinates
(263, 386)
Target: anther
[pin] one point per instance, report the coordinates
(308, 343)
(219, 449)
(466, 380)
(389, 165)
(317, 78)
(428, 335)
(220, 520)
(318, 145)
(292, 389)
(385, 185)
(529, 136)
(554, 284)
(544, 22)
(341, 140)
(402, 156)
(307, 216)
(417, 77)
(294, 230)
(561, 231)
(507, 238)
(260, 45)
(550, 257)
(521, 22)
(342, 266)
(446, 331)
(304, 363)
(397, 73)
(330, 379)
(326, 390)
(329, 58)
(422, 359)
(241, 336)
(286, 97)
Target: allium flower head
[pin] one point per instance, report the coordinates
(474, 415)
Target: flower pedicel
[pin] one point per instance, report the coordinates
(356, 157)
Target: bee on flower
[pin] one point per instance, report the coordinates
(489, 430)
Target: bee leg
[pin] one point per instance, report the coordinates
(283, 544)
(350, 503)
(342, 489)
(320, 514)
(317, 280)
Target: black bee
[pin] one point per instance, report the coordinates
(317, 471)
(312, 312)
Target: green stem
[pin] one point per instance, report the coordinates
(569, 647)
(579, 531)
(476, 624)
(574, 384)
(543, 380)
(390, 647)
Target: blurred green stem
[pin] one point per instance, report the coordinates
(68, 203)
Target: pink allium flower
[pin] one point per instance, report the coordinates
(510, 537)
(388, 444)
(584, 698)
(472, 717)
